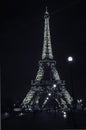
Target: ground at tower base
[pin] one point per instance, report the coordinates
(43, 120)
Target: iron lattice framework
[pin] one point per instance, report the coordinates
(47, 90)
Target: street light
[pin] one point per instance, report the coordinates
(70, 61)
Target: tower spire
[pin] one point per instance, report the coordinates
(47, 48)
(46, 10)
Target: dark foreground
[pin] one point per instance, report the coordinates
(44, 120)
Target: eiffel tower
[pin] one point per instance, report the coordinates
(47, 90)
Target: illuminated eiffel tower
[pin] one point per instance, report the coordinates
(47, 90)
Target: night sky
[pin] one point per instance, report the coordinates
(21, 37)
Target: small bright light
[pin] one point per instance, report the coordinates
(49, 94)
(65, 115)
(70, 58)
(21, 114)
(54, 85)
(80, 100)
(47, 98)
